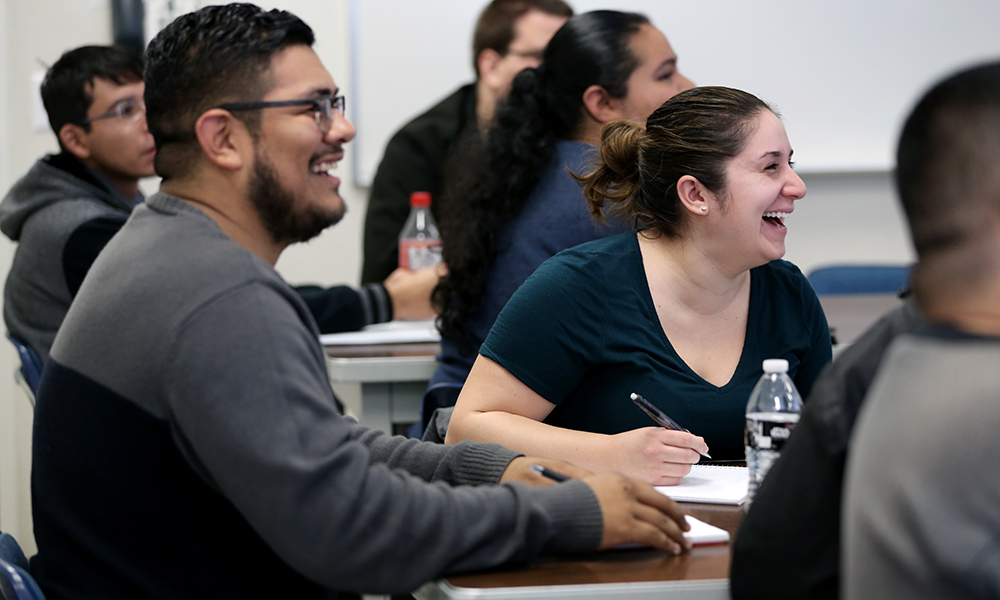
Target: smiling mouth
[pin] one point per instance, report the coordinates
(776, 219)
(325, 167)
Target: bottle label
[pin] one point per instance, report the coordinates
(419, 254)
(769, 431)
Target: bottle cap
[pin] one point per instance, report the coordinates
(775, 365)
(420, 199)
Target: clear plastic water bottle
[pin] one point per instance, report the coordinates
(419, 242)
(772, 412)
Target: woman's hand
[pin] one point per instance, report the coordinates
(655, 455)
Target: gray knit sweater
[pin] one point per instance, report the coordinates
(201, 370)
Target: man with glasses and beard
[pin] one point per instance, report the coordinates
(197, 452)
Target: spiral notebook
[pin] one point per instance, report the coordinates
(712, 484)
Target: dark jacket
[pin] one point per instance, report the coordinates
(414, 161)
(789, 543)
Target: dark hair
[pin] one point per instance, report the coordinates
(947, 175)
(495, 27)
(693, 133)
(209, 57)
(67, 90)
(545, 104)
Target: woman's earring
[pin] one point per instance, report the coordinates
(704, 208)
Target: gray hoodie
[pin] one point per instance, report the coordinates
(61, 214)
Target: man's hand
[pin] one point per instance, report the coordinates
(410, 292)
(519, 470)
(634, 512)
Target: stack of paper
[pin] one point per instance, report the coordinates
(700, 534)
(703, 534)
(712, 484)
(393, 332)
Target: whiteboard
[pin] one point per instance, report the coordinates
(843, 74)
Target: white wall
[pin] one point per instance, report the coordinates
(31, 32)
(845, 217)
(842, 73)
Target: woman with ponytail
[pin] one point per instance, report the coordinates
(682, 310)
(520, 204)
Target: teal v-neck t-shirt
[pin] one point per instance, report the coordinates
(583, 333)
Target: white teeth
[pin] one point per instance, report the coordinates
(325, 167)
(776, 215)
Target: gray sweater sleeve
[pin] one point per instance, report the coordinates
(467, 463)
(349, 507)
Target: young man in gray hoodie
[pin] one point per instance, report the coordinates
(67, 207)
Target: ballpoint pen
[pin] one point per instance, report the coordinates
(660, 417)
(545, 472)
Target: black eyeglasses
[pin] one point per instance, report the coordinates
(128, 110)
(322, 105)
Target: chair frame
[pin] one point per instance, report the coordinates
(29, 374)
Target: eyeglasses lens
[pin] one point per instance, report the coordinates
(131, 111)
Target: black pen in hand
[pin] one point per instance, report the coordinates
(661, 419)
(544, 472)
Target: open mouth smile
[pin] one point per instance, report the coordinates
(325, 167)
(776, 219)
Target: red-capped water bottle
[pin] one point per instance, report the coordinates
(419, 242)
(772, 412)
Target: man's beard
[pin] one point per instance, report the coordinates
(277, 208)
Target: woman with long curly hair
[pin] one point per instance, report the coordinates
(520, 204)
(682, 310)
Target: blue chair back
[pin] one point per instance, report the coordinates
(15, 581)
(17, 584)
(860, 279)
(31, 364)
(11, 552)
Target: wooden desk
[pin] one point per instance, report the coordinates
(702, 573)
(393, 378)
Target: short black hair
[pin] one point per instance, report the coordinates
(67, 90)
(946, 162)
(949, 183)
(212, 56)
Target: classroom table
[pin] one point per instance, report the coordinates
(701, 574)
(393, 378)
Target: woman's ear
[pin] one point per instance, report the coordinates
(693, 194)
(599, 104)
(224, 139)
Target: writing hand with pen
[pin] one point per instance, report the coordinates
(657, 455)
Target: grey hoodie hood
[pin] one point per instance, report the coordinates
(42, 212)
(45, 184)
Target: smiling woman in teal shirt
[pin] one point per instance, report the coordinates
(682, 311)
(552, 338)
